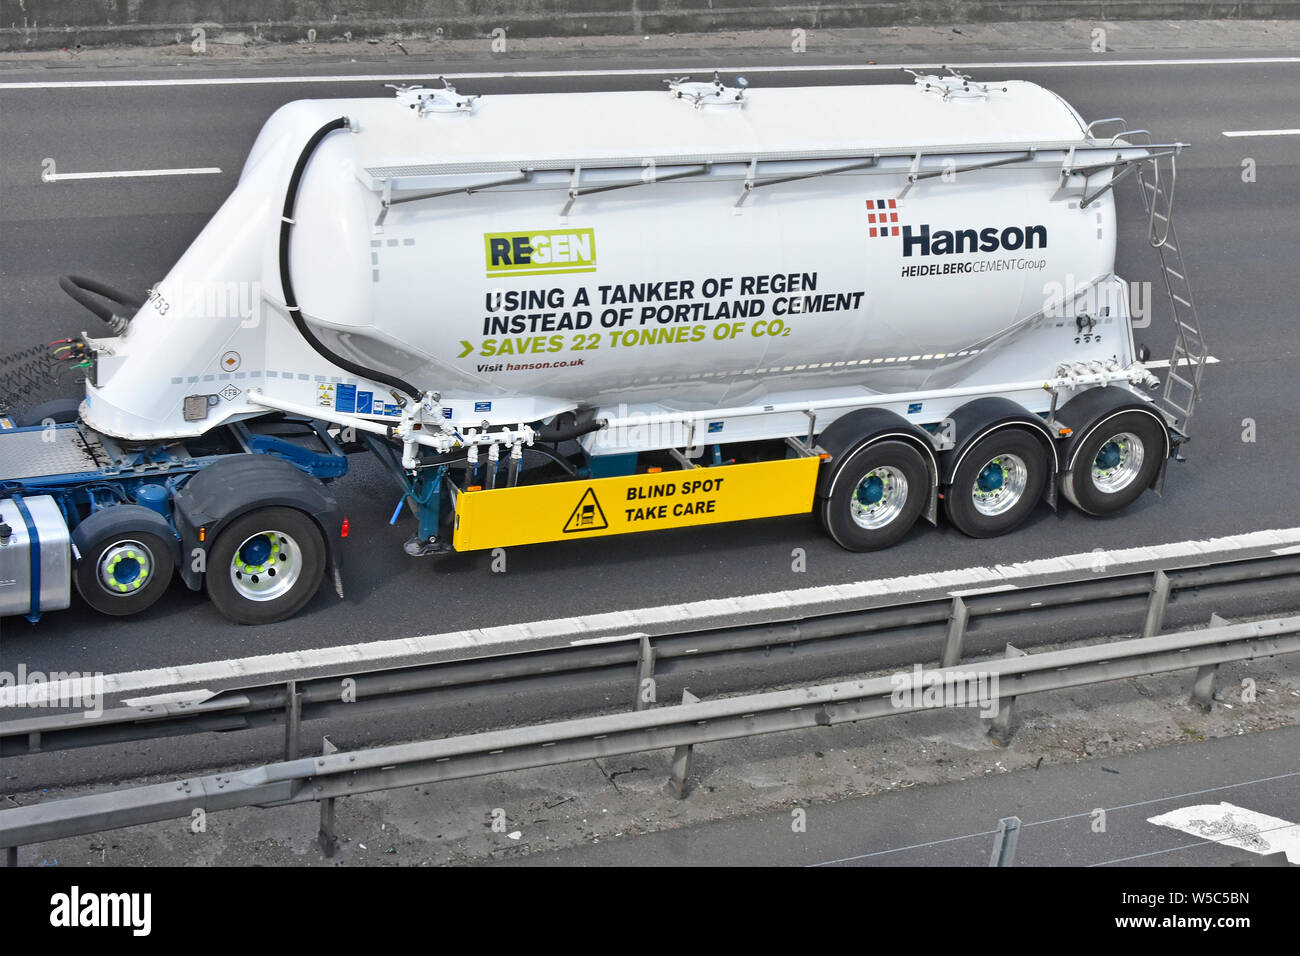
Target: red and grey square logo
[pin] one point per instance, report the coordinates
(882, 218)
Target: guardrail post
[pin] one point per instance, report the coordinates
(645, 669)
(957, 619)
(11, 856)
(681, 768)
(682, 758)
(327, 837)
(1001, 730)
(1156, 604)
(1203, 686)
(292, 720)
(1004, 843)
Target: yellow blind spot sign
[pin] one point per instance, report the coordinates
(563, 511)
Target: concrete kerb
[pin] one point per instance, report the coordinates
(71, 23)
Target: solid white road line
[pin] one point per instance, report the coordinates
(132, 174)
(993, 589)
(1236, 826)
(1261, 132)
(654, 71)
(793, 603)
(610, 639)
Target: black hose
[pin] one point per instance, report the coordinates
(569, 425)
(554, 456)
(80, 288)
(291, 301)
(446, 458)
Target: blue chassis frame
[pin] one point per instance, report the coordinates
(81, 494)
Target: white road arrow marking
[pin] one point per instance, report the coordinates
(1236, 826)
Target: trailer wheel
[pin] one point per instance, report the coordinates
(998, 483)
(265, 566)
(1116, 463)
(125, 566)
(876, 496)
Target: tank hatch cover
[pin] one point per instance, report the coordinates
(701, 94)
(425, 101)
(954, 86)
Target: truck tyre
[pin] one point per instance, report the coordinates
(1115, 464)
(59, 410)
(876, 496)
(126, 564)
(265, 565)
(998, 483)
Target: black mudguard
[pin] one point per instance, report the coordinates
(982, 417)
(861, 427)
(234, 486)
(1088, 410)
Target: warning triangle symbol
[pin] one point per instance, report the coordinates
(587, 516)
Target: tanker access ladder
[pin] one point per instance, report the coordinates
(1182, 387)
(1187, 365)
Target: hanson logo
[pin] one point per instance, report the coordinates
(882, 216)
(989, 239)
(545, 252)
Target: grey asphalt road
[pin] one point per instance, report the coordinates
(1239, 239)
(953, 824)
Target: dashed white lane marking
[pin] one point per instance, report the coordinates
(654, 71)
(132, 174)
(1236, 826)
(1164, 363)
(1261, 132)
(630, 622)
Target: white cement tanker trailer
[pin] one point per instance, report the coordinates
(561, 316)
